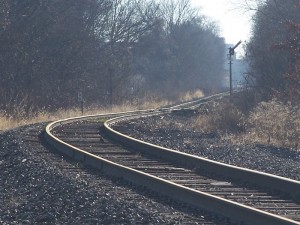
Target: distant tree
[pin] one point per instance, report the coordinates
(182, 53)
(47, 50)
(176, 12)
(199, 54)
(292, 46)
(108, 50)
(267, 65)
(127, 21)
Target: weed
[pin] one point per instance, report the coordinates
(275, 123)
(191, 95)
(221, 117)
(272, 122)
(19, 118)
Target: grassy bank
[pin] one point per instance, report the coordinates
(18, 119)
(272, 122)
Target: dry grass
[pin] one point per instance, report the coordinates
(10, 122)
(272, 123)
(221, 117)
(191, 95)
(20, 114)
(7, 122)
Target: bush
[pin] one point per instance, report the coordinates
(191, 95)
(275, 123)
(221, 117)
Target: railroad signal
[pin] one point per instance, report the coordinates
(237, 44)
(231, 53)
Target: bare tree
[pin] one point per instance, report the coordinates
(176, 12)
(183, 51)
(51, 50)
(268, 66)
(47, 47)
(126, 23)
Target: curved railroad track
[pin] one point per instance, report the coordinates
(244, 196)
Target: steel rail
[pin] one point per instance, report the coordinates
(270, 181)
(235, 211)
(285, 185)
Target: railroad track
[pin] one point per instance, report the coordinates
(244, 196)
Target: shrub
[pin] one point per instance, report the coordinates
(222, 117)
(275, 123)
(191, 95)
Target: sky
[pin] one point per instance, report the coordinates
(234, 24)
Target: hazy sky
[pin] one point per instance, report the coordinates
(234, 24)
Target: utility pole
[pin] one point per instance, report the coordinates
(231, 53)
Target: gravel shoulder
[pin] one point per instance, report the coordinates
(168, 131)
(39, 186)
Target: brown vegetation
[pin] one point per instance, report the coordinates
(221, 117)
(272, 122)
(191, 95)
(19, 119)
(275, 123)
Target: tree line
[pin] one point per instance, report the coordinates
(111, 51)
(274, 50)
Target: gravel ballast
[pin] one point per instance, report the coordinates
(39, 186)
(169, 131)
